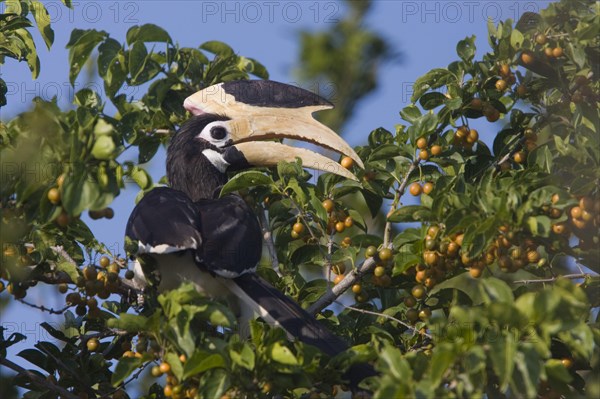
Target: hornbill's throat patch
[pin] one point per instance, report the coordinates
(261, 110)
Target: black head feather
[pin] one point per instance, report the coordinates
(188, 170)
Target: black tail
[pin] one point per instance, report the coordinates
(287, 314)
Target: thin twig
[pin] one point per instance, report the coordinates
(512, 152)
(43, 308)
(37, 380)
(134, 376)
(387, 316)
(399, 192)
(552, 279)
(268, 238)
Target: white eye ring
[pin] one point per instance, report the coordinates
(217, 133)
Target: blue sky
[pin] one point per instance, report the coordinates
(425, 32)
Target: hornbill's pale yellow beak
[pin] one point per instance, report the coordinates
(260, 110)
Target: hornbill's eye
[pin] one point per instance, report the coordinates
(217, 133)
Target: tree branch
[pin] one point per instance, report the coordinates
(43, 308)
(332, 294)
(37, 380)
(399, 193)
(552, 279)
(355, 275)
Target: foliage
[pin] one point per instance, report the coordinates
(342, 62)
(495, 292)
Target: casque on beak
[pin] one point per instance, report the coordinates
(261, 110)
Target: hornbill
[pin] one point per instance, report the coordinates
(190, 233)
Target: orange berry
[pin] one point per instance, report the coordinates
(428, 187)
(527, 58)
(385, 254)
(568, 363)
(520, 157)
(328, 205)
(476, 104)
(557, 52)
(540, 39)
(165, 367)
(418, 291)
(54, 196)
(473, 136)
(415, 189)
(370, 251)
(436, 150)
(298, 228)
(92, 344)
(347, 162)
(421, 143)
(104, 262)
(348, 222)
(424, 155)
(357, 288)
(491, 114)
(576, 212)
(475, 272)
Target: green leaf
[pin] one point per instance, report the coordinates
(214, 383)
(137, 59)
(410, 113)
(107, 52)
(443, 357)
(516, 39)
(176, 365)
(410, 213)
(246, 179)
(79, 192)
(502, 354)
(466, 49)
(540, 225)
(201, 361)
(432, 100)
(464, 283)
(245, 358)
(104, 148)
(282, 354)
(527, 371)
(125, 367)
(495, 290)
(557, 371)
(147, 33)
(129, 322)
(42, 19)
(433, 79)
(33, 61)
(80, 46)
(140, 177)
(217, 47)
(68, 268)
(478, 236)
(35, 357)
